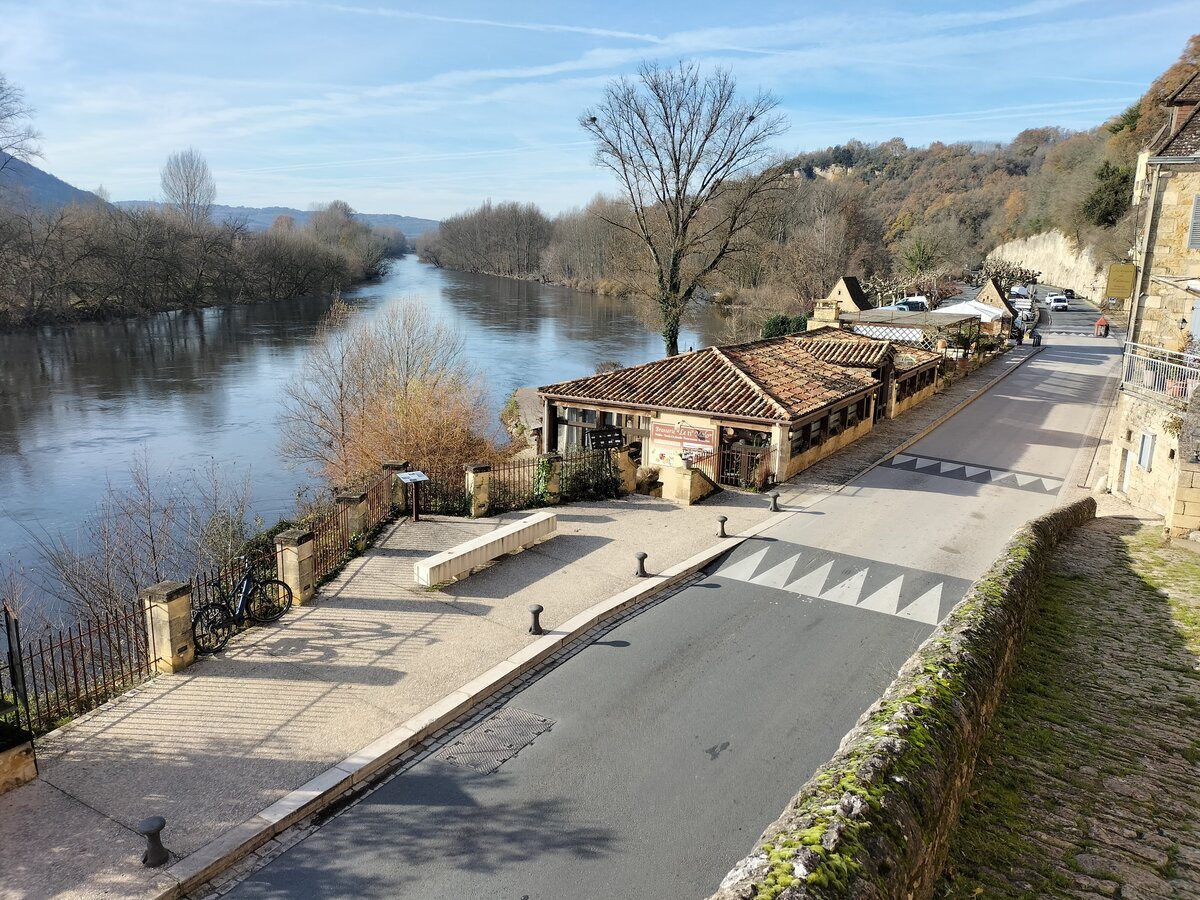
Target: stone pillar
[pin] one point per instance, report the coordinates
(627, 469)
(355, 503)
(294, 562)
(399, 488)
(478, 483)
(553, 478)
(168, 606)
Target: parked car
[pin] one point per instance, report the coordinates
(1058, 303)
(914, 304)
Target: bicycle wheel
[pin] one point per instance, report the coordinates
(269, 600)
(211, 627)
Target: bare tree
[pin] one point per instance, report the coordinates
(18, 139)
(188, 185)
(691, 159)
(395, 388)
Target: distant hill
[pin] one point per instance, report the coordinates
(42, 189)
(260, 218)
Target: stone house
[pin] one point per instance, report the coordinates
(1155, 459)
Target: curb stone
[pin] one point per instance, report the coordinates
(209, 861)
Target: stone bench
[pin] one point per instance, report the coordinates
(451, 564)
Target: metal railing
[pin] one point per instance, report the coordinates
(1162, 372)
(520, 484)
(69, 672)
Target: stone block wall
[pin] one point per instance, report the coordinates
(875, 821)
(1164, 306)
(1153, 490)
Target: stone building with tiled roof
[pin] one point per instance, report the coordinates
(1155, 460)
(787, 401)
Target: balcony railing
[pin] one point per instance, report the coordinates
(1164, 372)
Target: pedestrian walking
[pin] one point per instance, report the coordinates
(1102, 326)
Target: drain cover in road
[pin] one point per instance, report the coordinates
(495, 740)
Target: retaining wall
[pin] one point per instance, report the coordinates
(1060, 261)
(874, 821)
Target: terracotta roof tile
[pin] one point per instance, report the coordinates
(857, 351)
(773, 380)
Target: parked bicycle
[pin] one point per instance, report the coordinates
(260, 600)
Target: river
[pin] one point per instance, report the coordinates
(189, 389)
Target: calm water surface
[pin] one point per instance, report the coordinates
(78, 403)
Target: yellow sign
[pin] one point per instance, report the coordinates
(1121, 277)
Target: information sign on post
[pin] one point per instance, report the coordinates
(413, 480)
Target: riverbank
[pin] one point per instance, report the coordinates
(1085, 786)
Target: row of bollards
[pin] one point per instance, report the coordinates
(536, 610)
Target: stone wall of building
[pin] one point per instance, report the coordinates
(1164, 305)
(1152, 489)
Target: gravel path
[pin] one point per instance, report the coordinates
(1089, 784)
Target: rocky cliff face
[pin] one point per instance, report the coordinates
(1061, 263)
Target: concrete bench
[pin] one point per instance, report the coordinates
(458, 561)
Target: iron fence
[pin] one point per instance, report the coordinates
(379, 501)
(331, 539)
(743, 466)
(445, 493)
(590, 475)
(218, 582)
(69, 672)
(521, 484)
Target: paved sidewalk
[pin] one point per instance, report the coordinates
(214, 745)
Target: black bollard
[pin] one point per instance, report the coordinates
(156, 854)
(721, 520)
(774, 495)
(641, 569)
(535, 612)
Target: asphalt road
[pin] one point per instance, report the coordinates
(666, 747)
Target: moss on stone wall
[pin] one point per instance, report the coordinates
(875, 820)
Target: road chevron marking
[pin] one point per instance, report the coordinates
(926, 607)
(744, 570)
(778, 576)
(848, 591)
(961, 471)
(886, 599)
(812, 584)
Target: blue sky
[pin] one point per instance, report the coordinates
(429, 108)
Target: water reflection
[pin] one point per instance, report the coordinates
(76, 403)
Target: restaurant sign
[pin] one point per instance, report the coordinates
(680, 438)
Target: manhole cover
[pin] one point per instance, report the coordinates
(495, 740)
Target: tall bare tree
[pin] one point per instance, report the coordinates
(18, 139)
(691, 159)
(188, 185)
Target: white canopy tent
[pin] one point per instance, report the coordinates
(970, 308)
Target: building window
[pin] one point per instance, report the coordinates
(1146, 451)
(1194, 228)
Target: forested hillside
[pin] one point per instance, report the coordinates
(901, 218)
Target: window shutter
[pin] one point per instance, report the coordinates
(1194, 229)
